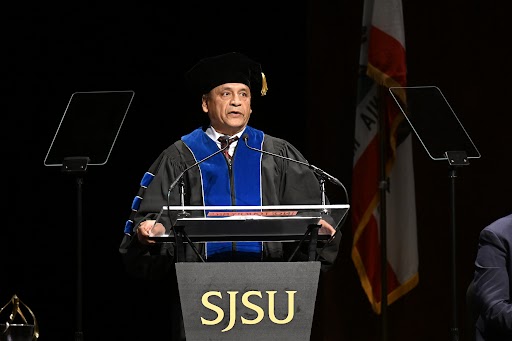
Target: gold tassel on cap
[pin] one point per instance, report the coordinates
(264, 87)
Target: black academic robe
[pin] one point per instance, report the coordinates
(283, 183)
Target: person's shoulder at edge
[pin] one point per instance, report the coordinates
(502, 225)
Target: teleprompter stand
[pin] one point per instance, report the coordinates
(85, 136)
(445, 139)
(247, 300)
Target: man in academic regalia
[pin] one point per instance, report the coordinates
(239, 177)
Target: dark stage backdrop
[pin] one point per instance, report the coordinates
(309, 52)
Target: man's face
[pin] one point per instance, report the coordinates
(228, 107)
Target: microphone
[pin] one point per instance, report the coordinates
(175, 182)
(315, 169)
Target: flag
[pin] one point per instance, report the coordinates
(382, 65)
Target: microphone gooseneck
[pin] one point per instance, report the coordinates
(316, 170)
(179, 177)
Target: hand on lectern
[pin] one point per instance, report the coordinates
(326, 228)
(147, 229)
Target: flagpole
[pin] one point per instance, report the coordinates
(383, 188)
(382, 63)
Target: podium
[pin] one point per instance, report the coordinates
(189, 224)
(247, 300)
(245, 223)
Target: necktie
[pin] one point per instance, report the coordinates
(225, 141)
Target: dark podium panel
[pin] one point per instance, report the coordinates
(248, 301)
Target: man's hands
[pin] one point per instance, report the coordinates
(147, 229)
(326, 228)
